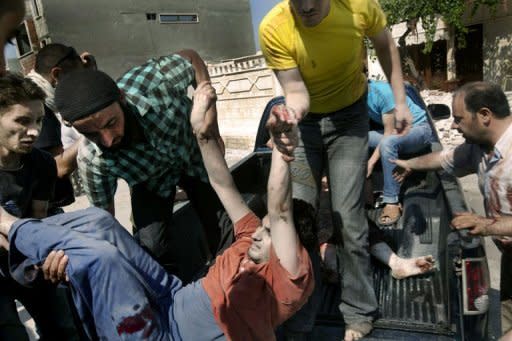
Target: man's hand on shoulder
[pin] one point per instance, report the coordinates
(282, 125)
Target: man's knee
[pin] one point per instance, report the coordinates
(388, 145)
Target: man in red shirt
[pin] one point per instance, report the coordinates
(121, 292)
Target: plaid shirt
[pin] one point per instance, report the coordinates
(156, 92)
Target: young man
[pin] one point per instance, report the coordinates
(139, 130)
(387, 144)
(27, 177)
(12, 13)
(315, 49)
(121, 292)
(482, 114)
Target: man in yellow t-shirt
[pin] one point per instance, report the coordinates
(315, 49)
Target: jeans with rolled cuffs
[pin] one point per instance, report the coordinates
(419, 138)
(337, 144)
(120, 292)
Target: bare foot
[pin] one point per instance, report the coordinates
(406, 267)
(357, 331)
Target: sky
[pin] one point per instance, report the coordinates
(259, 8)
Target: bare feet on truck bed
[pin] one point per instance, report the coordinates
(356, 331)
(406, 267)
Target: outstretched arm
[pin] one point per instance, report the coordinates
(426, 162)
(280, 211)
(211, 126)
(218, 172)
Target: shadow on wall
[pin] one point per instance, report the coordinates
(497, 63)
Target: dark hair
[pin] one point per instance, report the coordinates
(304, 217)
(7, 6)
(478, 95)
(53, 55)
(16, 89)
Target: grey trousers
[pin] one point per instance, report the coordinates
(337, 144)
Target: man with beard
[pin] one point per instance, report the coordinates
(482, 114)
(139, 130)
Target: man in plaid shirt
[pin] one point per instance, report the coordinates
(139, 130)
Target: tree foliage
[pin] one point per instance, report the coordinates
(452, 11)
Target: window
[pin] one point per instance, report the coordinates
(174, 18)
(23, 40)
(151, 16)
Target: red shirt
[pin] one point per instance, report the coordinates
(250, 300)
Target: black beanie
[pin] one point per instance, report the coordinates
(82, 93)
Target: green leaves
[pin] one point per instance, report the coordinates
(452, 11)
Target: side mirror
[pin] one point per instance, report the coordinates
(439, 111)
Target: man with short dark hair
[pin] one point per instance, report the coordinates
(27, 177)
(122, 293)
(53, 61)
(481, 113)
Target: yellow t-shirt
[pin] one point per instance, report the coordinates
(329, 55)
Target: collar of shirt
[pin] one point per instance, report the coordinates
(504, 144)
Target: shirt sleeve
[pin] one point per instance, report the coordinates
(375, 19)
(99, 186)
(176, 71)
(246, 226)
(45, 168)
(291, 290)
(275, 47)
(462, 160)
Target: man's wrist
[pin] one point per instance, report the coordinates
(489, 228)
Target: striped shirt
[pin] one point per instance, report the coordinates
(156, 93)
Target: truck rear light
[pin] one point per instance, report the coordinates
(475, 284)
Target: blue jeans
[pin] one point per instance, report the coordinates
(418, 138)
(120, 292)
(337, 144)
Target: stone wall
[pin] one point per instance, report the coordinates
(244, 86)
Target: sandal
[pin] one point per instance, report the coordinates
(390, 214)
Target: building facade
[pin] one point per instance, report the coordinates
(124, 33)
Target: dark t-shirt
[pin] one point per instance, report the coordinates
(34, 181)
(49, 138)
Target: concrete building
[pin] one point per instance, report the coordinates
(124, 33)
(485, 57)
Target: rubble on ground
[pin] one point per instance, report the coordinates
(449, 137)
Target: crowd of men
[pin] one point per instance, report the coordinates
(143, 128)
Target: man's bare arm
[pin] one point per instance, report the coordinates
(295, 91)
(211, 128)
(65, 159)
(280, 210)
(426, 162)
(213, 159)
(389, 59)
